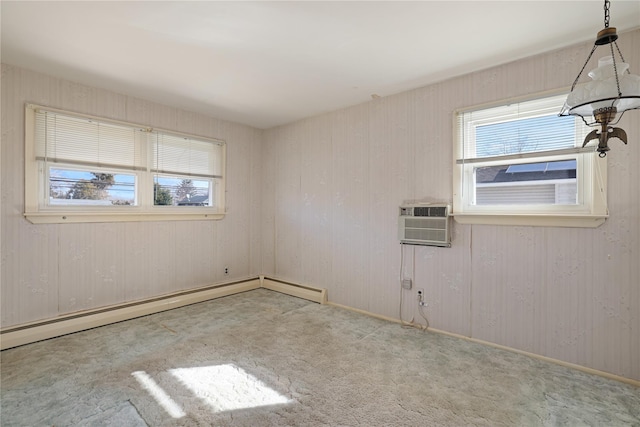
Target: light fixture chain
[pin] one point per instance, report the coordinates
(606, 13)
(615, 71)
(621, 57)
(575, 82)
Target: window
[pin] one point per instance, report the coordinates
(523, 164)
(85, 169)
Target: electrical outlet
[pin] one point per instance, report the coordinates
(420, 297)
(226, 271)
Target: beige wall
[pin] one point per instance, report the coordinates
(48, 270)
(331, 190)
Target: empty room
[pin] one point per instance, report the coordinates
(320, 213)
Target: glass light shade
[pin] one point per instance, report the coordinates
(602, 91)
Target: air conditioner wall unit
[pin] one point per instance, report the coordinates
(425, 224)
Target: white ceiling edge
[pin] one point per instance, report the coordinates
(266, 64)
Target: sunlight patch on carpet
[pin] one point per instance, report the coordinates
(227, 387)
(160, 396)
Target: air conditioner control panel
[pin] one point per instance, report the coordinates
(422, 210)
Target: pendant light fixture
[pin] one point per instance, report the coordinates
(612, 91)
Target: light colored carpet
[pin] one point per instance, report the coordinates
(266, 359)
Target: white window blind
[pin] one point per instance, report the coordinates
(519, 130)
(81, 168)
(179, 155)
(82, 141)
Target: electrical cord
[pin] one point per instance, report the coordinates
(412, 323)
(424, 316)
(402, 322)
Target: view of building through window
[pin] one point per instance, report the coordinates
(527, 183)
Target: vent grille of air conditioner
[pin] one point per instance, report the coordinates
(424, 225)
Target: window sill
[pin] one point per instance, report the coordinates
(81, 217)
(539, 220)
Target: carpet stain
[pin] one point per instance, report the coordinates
(168, 329)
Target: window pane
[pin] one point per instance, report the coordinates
(527, 183)
(91, 188)
(525, 135)
(180, 191)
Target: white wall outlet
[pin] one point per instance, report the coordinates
(226, 271)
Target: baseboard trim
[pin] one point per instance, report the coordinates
(365, 312)
(76, 322)
(310, 293)
(581, 368)
(37, 331)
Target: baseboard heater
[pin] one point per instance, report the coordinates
(41, 330)
(294, 289)
(76, 322)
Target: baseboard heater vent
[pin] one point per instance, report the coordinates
(76, 322)
(42, 330)
(294, 289)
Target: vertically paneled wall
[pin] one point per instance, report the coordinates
(317, 201)
(48, 270)
(331, 190)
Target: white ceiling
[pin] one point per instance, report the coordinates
(270, 63)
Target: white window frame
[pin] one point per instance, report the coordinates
(39, 211)
(591, 176)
